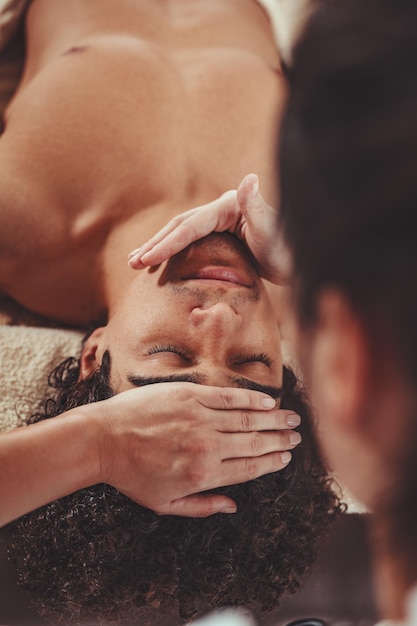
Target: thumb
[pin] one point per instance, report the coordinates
(253, 206)
(201, 505)
(262, 234)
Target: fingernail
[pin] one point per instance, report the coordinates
(134, 259)
(286, 457)
(228, 509)
(134, 253)
(293, 420)
(295, 438)
(268, 403)
(255, 187)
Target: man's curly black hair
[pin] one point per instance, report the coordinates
(97, 557)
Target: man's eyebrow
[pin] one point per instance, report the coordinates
(245, 383)
(141, 381)
(194, 377)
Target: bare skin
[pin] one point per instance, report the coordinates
(123, 119)
(121, 122)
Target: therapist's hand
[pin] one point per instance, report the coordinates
(242, 212)
(161, 445)
(164, 444)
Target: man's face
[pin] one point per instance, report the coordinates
(204, 316)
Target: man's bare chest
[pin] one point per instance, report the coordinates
(113, 126)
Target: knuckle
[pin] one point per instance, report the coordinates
(280, 420)
(247, 421)
(251, 469)
(284, 441)
(200, 448)
(192, 230)
(226, 398)
(276, 459)
(256, 444)
(177, 220)
(197, 477)
(182, 393)
(207, 507)
(199, 463)
(230, 196)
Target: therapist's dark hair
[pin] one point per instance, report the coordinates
(348, 158)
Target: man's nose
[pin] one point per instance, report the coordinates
(219, 317)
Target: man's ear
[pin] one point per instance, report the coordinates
(340, 364)
(89, 360)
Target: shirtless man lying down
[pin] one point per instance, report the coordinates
(127, 114)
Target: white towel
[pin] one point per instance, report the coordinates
(288, 19)
(27, 356)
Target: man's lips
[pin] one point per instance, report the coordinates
(217, 273)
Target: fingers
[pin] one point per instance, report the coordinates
(233, 410)
(260, 219)
(197, 505)
(258, 444)
(241, 470)
(217, 216)
(136, 255)
(236, 471)
(244, 421)
(180, 236)
(262, 233)
(233, 398)
(251, 202)
(231, 472)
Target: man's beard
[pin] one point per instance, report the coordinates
(96, 557)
